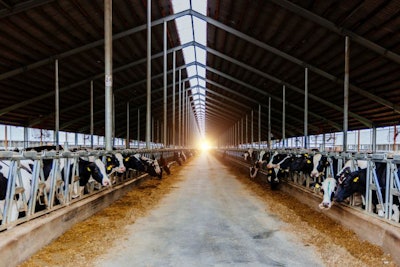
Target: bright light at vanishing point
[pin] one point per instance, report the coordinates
(205, 146)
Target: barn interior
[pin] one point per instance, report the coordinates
(293, 59)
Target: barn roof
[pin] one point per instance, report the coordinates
(254, 48)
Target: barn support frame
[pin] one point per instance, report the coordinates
(148, 75)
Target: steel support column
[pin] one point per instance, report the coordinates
(259, 125)
(138, 127)
(346, 92)
(108, 72)
(57, 106)
(148, 106)
(173, 96)
(179, 108)
(91, 114)
(127, 143)
(283, 115)
(252, 129)
(165, 85)
(269, 122)
(306, 145)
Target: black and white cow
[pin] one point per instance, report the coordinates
(249, 155)
(88, 169)
(115, 163)
(179, 157)
(329, 186)
(143, 164)
(300, 167)
(164, 164)
(17, 204)
(320, 163)
(260, 163)
(278, 168)
(356, 182)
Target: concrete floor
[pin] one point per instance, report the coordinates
(210, 219)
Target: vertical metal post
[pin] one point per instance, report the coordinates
(5, 138)
(241, 133)
(259, 125)
(138, 127)
(183, 114)
(179, 108)
(251, 130)
(108, 72)
(306, 145)
(283, 115)
(173, 96)
(269, 123)
(26, 137)
(346, 91)
(127, 143)
(247, 137)
(91, 114)
(57, 104)
(158, 132)
(113, 120)
(148, 110)
(152, 131)
(165, 85)
(374, 139)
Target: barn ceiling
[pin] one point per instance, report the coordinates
(254, 49)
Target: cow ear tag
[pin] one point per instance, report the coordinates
(88, 169)
(355, 179)
(316, 185)
(108, 159)
(126, 159)
(109, 168)
(308, 161)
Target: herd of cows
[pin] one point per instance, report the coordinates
(29, 185)
(338, 181)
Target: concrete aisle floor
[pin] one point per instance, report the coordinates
(210, 219)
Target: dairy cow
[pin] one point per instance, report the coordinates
(143, 164)
(277, 168)
(22, 187)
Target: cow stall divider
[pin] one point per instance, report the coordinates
(38, 183)
(380, 227)
(382, 179)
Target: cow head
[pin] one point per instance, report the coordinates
(152, 167)
(115, 162)
(319, 165)
(134, 162)
(328, 188)
(94, 169)
(349, 183)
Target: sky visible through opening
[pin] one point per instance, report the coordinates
(197, 33)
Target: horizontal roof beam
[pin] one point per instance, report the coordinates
(336, 29)
(297, 61)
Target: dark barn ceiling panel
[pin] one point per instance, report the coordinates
(254, 48)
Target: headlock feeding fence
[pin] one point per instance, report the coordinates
(373, 178)
(34, 183)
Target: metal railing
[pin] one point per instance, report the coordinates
(26, 188)
(381, 185)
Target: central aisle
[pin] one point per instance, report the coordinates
(210, 219)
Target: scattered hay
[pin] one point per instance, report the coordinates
(85, 241)
(94, 236)
(336, 245)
